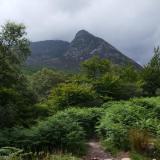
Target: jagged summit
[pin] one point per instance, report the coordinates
(82, 33)
(68, 56)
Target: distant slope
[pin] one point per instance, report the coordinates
(68, 56)
(46, 53)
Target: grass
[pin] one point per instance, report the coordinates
(48, 157)
(137, 156)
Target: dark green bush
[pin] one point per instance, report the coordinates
(53, 134)
(121, 119)
(65, 131)
(151, 104)
(113, 126)
(87, 118)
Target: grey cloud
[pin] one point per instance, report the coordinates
(133, 26)
(71, 6)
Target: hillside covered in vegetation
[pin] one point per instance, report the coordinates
(50, 114)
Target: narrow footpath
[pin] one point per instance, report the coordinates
(96, 152)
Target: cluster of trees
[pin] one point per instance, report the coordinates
(99, 81)
(25, 99)
(16, 97)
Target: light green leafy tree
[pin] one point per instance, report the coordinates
(95, 67)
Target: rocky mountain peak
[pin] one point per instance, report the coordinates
(82, 33)
(64, 55)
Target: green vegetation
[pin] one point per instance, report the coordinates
(44, 80)
(50, 111)
(131, 125)
(151, 75)
(73, 94)
(12, 153)
(16, 98)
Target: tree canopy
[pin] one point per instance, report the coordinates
(151, 74)
(15, 97)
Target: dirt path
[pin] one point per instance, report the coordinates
(96, 152)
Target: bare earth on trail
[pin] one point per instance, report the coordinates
(96, 152)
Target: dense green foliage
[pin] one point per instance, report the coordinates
(52, 135)
(73, 94)
(44, 80)
(151, 75)
(54, 111)
(95, 67)
(16, 98)
(134, 124)
(66, 131)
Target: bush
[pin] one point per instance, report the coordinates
(72, 94)
(110, 86)
(53, 134)
(87, 118)
(121, 118)
(113, 126)
(65, 131)
(151, 104)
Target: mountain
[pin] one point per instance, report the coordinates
(68, 56)
(47, 53)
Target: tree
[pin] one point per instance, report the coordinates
(129, 74)
(14, 42)
(95, 67)
(44, 80)
(73, 94)
(15, 97)
(151, 74)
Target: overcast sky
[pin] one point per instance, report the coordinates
(132, 26)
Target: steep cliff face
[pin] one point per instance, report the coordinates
(85, 45)
(65, 55)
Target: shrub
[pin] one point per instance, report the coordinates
(56, 133)
(72, 94)
(64, 131)
(151, 104)
(113, 125)
(87, 118)
(121, 118)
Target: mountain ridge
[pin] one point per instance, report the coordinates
(61, 54)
